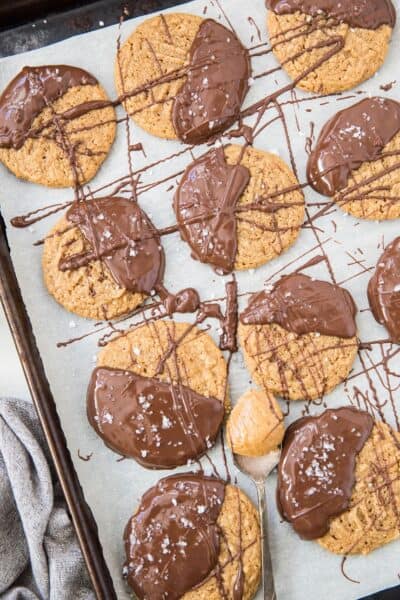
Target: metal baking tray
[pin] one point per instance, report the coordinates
(26, 25)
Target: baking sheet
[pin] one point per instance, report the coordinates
(112, 489)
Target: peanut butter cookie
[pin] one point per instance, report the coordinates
(338, 480)
(103, 258)
(372, 518)
(238, 208)
(299, 339)
(193, 359)
(183, 77)
(56, 125)
(356, 159)
(202, 535)
(158, 394)
(328, 47)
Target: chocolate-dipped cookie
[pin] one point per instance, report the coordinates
(327, 46)
(103, 258)
(299, 339)
(182, 77)
(372, 517)
(56, 125)
(238, 208)
(338, 480)
(158, 394)
(384, 290)
(193, 537)
(356, 159)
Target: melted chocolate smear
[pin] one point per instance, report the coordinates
(256, 27)
(29, 93)
(185, 301)
(304, 305)
(172, 543)
(367, 14)
(353, 136)
(316, 469)
(82, 109)
(37, 215)
(243, 131)
(238, 587)
(384, 290)
(205, 204)
(229, 323)
(123, 237)
(217, 82)
(386, 87)
(85, 458)
(160, 425)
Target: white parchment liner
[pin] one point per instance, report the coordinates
(303, 570)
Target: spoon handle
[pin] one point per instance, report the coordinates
(267, 574)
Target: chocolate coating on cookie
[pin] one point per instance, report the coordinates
(205, 204)
(172, 542)
(353, 136)
(217, 82)
(384, 290)
(317, 465)
(123, 237)
(160, 425)
(29, 93)
(367, 14)
(304, 305)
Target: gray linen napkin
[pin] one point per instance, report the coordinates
(39, 553)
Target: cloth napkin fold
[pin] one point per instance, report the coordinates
(40, 557)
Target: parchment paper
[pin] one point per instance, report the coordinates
(303, 570)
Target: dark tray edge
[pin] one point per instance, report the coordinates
(69, 21)
(82, 518)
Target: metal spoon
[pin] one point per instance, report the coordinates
(258, 469)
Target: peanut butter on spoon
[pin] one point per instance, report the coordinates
(255, 429)
(255, 426)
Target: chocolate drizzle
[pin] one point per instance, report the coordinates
(205, 203)
(366, 14)
(160, 425)
(304, 305)
(384, 290)
(353, 136)
(185, 301)
(216, 84)
(123, 237)
(29, 93)
(317, 465)
(172, 543)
